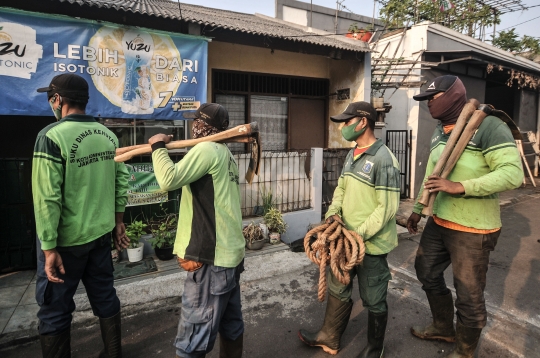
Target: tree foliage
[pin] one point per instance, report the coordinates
(467, 16)
(509, 41)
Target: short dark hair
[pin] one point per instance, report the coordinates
(79, 104)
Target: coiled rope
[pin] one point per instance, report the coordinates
(335, 245)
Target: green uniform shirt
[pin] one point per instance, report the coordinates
(367, 197)
(489, 164)
(76, 185)
(210, 224)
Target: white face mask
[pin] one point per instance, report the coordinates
(58, 111)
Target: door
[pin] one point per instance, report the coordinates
(307, 127)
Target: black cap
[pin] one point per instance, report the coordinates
(356, 109)
(439, 84)
(212, 113)
(68, 85)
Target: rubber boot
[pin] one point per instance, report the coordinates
(58, 346)
(442, 328)
(466, 341)
(376, 330)
(335, 321)
(231, 349)
(111, 334)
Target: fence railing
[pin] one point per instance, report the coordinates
(333, 160)
(283, 174)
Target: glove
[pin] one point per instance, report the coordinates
(189, 265)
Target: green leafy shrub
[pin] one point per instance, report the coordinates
(274, 220)
(134, 231)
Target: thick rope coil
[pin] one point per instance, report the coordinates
(337, 247)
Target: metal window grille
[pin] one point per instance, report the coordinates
(399, 142)
(333, 161)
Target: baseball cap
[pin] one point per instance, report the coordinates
(212, 114)
(69, 85)
(439, 84)
(356, 109)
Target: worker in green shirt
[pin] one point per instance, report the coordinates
(366, 199)
(466, 221)
(79, 194)
(209, 241)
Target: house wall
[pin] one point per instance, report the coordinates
(341, 73)
(527, 110)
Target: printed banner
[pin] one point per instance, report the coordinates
(143, 186)
(132, 73)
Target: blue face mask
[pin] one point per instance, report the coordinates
(58, 111)
(349, 134)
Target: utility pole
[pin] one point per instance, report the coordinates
(311, 15)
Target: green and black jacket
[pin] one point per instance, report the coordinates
(210, 223)
(367, 197)
(489, 165)
(76, 185)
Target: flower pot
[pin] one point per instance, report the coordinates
(165, 253)
(275, 238)
(377, 102)
(350, 35)
(365, 37)
(136, 254)
(255, 245)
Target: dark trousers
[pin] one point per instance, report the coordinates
(91, 263)
(373, 276)
(469, 255)
(210, 304)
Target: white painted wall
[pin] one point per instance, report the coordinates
(296, 16)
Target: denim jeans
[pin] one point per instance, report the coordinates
(91, 263)
(469, 255)
(210, 304)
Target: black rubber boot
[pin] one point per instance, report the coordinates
(376, 330)
(111, 334)
(467, 339)
(231, 349)
(335, 321)
(58, 346)
(442, 328)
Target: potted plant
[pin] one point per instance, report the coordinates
(134, 232)
(253, 234)
(163, 233)
(276, 225)
(352, 31)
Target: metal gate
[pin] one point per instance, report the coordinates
(399, 142)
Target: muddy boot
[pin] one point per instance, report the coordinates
(376, 330)
(442, 328)
(335, 321)
(466, 341)
(112, 336)
(231, 349)
(58, 346)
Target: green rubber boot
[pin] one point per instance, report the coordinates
(442, 328)
(111, 334)
(231, 349)
(335, 321)
(376, 331)
(467, 339)
(58, 346)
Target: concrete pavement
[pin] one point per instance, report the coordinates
(279, 297)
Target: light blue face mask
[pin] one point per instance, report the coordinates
(58, 111)
(349, 134)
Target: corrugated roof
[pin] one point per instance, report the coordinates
(248, 23)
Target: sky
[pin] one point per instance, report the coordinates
(365, 7)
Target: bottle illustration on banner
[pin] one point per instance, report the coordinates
(138, 48)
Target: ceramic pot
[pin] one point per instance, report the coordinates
(255, 245)
(275, 238)
(165, 253)
(136, 254)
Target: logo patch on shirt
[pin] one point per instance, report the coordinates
(367, 167)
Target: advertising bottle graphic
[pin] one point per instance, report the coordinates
(138, 48)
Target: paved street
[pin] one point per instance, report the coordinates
(276, 307)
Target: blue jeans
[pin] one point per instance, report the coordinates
(210, 304)
(91, 263)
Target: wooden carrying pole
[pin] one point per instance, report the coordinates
(468, 132)
(464, 116)
(237, 134)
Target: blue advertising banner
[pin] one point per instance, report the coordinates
(132, 72)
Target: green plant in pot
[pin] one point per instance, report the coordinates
(163, 230)
(134, 231)
(276, 225)
(253, 234)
